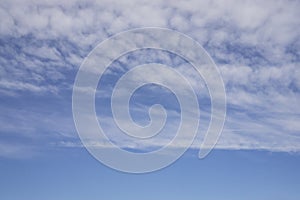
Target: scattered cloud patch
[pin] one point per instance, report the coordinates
(256, 45)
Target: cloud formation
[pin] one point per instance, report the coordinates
(254, 43)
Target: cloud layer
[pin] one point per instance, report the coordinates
(256, 45)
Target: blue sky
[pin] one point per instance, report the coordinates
(255, 46)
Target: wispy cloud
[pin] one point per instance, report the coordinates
(254, 43)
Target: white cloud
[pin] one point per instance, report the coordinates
(255, 43)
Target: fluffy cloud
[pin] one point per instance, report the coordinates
(255, 44)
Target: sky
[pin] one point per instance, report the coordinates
(255, 46)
